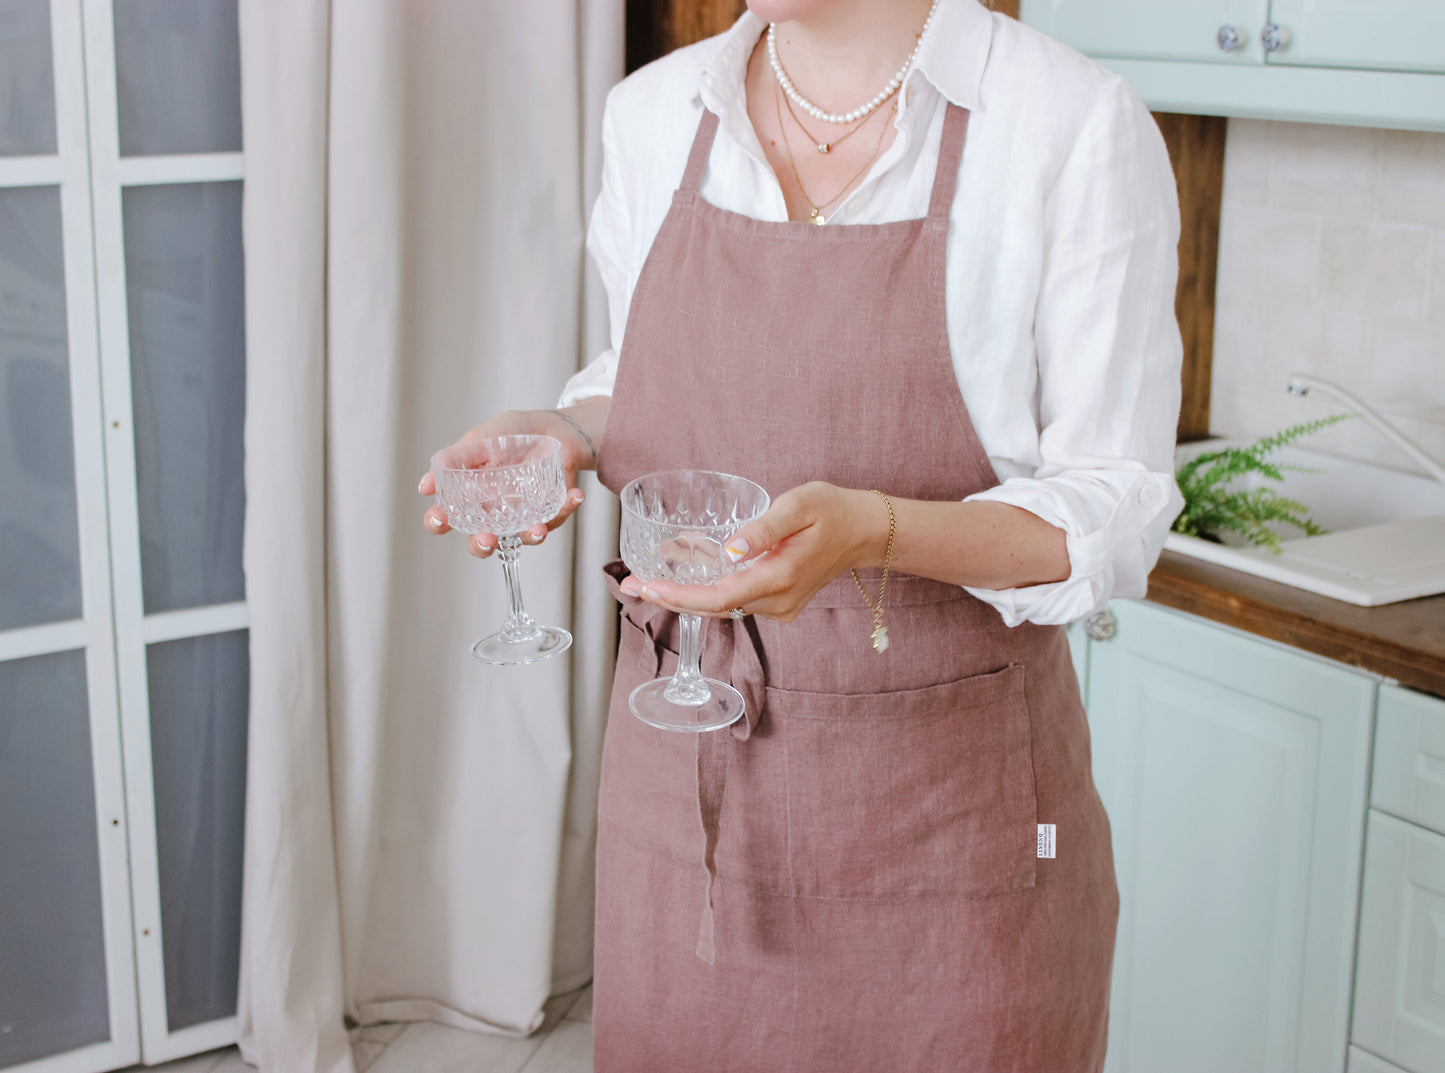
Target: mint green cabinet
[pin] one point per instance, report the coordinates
(1363, 62)
(1235, 774)
(1400, 1000)
(1400, 969)
(1406, 35)
(1187, 30)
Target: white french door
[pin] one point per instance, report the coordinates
(123, 644)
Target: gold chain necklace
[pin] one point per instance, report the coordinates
(818, 206)
(823, 146)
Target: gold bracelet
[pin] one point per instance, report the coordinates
(880, 631)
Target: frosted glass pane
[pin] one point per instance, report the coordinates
(39, 536)
(27, 79)
(188, 381)
(178, 76)
(52, 944)
(199, 691)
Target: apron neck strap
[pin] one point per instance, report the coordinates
(950, 156)
(701, 150)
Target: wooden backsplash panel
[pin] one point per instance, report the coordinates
(1196, 148)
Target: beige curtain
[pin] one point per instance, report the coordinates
(419, 827)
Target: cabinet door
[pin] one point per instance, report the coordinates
(1406, 35)
(1365, 1062)
(1409, 779)
(1234, 772)
(1152, 29)
(1400, 990)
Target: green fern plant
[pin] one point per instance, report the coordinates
(1211, 507)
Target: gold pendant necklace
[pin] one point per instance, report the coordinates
(817, 207)
(824, 147)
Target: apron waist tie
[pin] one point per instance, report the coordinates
(729, 643)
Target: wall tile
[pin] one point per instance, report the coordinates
(1240, 340)
(1332, 171)
(1305, 339)
(1332, 262)
(1246, 412)
(1407, 367)
(1373, 268)
(1268, 254)
(1247, 148)
(1412, 177)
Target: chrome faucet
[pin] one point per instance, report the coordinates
(1300, 384)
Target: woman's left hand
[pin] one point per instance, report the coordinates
(806, 538)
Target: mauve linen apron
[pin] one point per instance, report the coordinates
(848, 879)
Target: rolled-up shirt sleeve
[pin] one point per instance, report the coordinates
(1108, 355)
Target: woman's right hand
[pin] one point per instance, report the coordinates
(577, 454)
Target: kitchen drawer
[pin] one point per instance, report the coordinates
(1409, 772)
(1365, 1062)
(1400, 970)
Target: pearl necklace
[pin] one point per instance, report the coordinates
(889, 88)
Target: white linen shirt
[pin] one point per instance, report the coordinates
(1061, 266)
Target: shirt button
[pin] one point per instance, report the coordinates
(1149, 495)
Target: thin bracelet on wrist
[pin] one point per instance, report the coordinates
(580, 431)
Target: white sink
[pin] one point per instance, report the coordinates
(1387, 530)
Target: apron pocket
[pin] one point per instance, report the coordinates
(913, 792)
(649, 776)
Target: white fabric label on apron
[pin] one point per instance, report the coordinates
(1046, 840)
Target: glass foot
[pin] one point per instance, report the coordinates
(499, 652)
(722, 708)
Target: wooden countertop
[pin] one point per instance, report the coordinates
(1404, 641)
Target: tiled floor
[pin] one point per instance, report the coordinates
(562, 1045)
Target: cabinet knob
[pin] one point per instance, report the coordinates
(1101, 626)
(1275, 37)
(1230, 39)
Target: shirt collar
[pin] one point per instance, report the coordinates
(952, 57)
(954, 54)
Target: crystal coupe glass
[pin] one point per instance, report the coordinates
(506, 485)
(674, 526)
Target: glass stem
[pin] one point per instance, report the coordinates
(519, 625)
(687, 685)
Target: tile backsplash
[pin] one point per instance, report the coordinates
(1332, 262)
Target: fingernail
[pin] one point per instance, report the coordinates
(434, 522)
(578, 496)
(737, 549)
(632, 586)
(421, 482)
